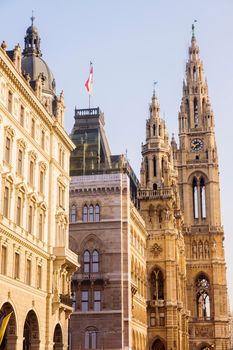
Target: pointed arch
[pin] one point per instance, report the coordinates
(202, 286)
(194, 250)
(158, 344)
(57, 338)
(147, 168)
(86, 261)
(157, 284)
(203, 197)
(154, 166)
(195, 198)
(73, 216)
(195, 111)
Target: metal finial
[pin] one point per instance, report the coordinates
(193, 28)
(155, 83)
(32, 18)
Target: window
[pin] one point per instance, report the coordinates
(95, 261)
(73, 216)
(9, 104)
(33, 123)
(31, 172)
(39, 276)
(154, 166)
(42, 138)
(202, 297)
(41, 226)
(162, 167)
(86, 262)
(195, 106)
(19, 211)
(21, 116)
(85, 300)
(195, 199)
(157, 287)
(147, 169)
(28, 271)
(97, 300)
(85, 213)
(91, 339)
(41, 182)
(202, 197)
(8, 149)
(16, 269)
(152, 319)
(30, 218)
(3, 260)
(20, 162)
(154, 129)
(6, 202)
(91, 213)
(97, 213)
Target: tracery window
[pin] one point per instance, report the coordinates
(91, 213)
(97, 213)
(203, 198)
(202, 297)
(85, 213)
(73, 217)
(86, 261)
(157, 286)
(195, 106)
(195, 198)
(154, 166)
(95, 261)
(199, 198)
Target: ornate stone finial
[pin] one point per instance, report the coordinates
(32, 18)
(193, 28)
(4, 45)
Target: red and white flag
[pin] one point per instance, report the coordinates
(89, 82)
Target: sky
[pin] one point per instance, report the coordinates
(133, 43)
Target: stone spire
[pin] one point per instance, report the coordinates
(195, 111)
(32, 41)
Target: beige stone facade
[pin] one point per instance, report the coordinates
(161, 266)
(35, 261)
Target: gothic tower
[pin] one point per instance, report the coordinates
(197, 162)
(167, 315)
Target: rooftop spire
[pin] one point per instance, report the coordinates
(193, 29)
(154, 84)
(32, 18)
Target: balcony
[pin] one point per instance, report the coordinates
(162, 193)
(64, 256)
(66, 300)
(158, 303)
(62, 302)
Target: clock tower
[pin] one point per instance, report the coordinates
(198, 173)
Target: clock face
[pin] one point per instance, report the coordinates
(196, 144)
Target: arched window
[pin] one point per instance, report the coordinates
(154, 166)
(159, 130)
(86, 261)
(202, 297)
(73, 216)
(187, 112)
(91, 338)
(162, 167)
(203, 198)
(91, 213)
(85, 213)
(154, 129)
(147, 169)
(157, 288)
(195, 198)
(97, 212)
(154, 187)
(194, 73)
(95, 261)
(195, 106)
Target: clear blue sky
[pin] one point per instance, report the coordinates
(132, 43)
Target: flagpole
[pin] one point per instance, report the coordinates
(89, 101)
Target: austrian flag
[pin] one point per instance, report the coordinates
(89, 82)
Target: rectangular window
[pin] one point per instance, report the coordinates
(20, 162)
(28, 271)
(33, 128)
(22, 115)
(3, 260)
(30, 218)
(97, 300)
(152, 319)
(85, 300)
(6, 202)
(9, 106)
(41, 184)
(41, 226)
(18, 211)
(39, 276)
(31, 172)
(16, 270)
(42, 139)
(8, 149)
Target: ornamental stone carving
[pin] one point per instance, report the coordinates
(156, 249)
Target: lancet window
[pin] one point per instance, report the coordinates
(199, 198)
(157, 285)
(154, 166)
(195, 105)
(203, 297)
